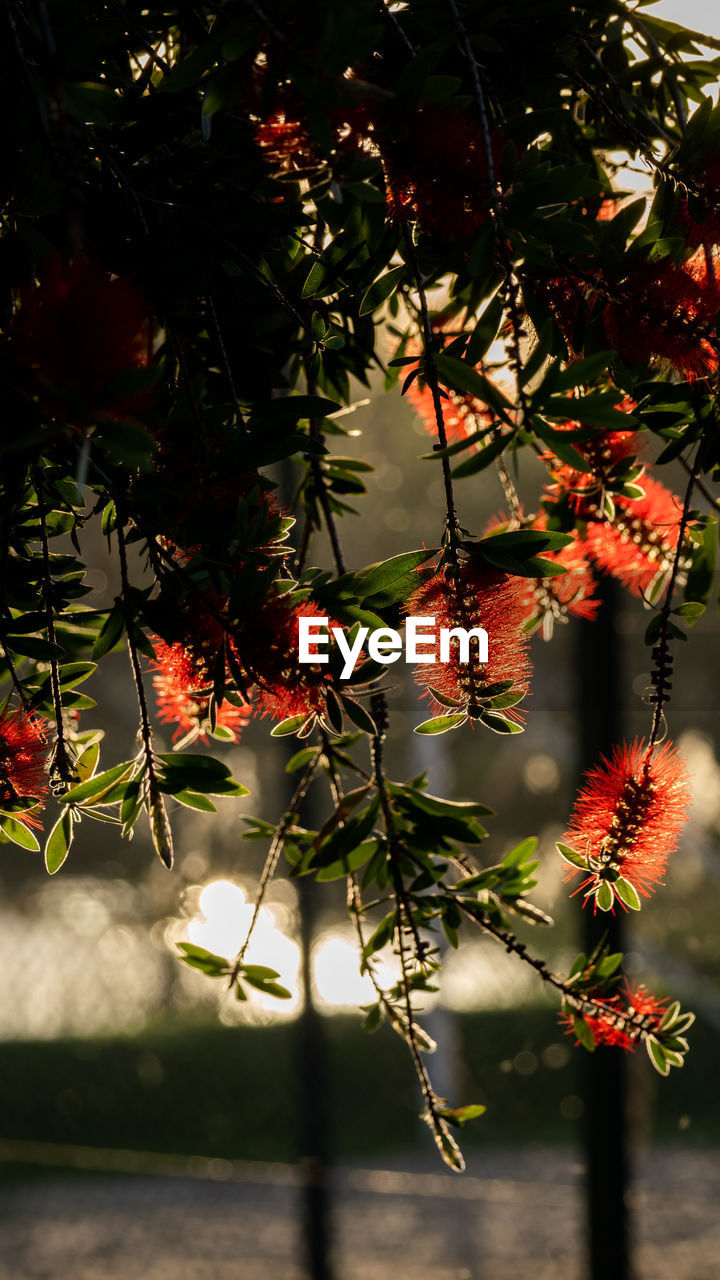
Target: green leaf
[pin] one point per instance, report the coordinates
(627, 893)
(58, 842)
(657, 1055)
(19, 833)
(500, 724)
(571, 856)
(583, 1033)
(381, 290)
(521, 852)
(382, 935)
(358, 715)
(482, 458)
(111, 631)
(95, 789)
(461, 1115)
(293, 724)
(605, 897)
(194, 800)
(391, 581)
(441, 724)
(701, 573)
(206, 961)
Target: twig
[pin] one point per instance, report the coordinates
(159, 825)
(61, 770)
(273, 857)
(663, 663)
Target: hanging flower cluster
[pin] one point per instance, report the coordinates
(554, 599)
(78, 331)
(626, 1016)
(184, 676)
(603, 454)
(626, 823)
(463, 413)
(639, 543)
(267, 648)
(483, 598)
(23, 761)
(666, 311)
(632, 538)
(262, 654)
(662, 311)
(437, 172)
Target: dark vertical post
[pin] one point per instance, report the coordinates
(312, 1076)
(604, 1072)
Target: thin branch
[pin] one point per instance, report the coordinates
(661, 655)
(13, 674)
(159, 825)
(700, 484)
(61, 770)
(496, 202)
(276, 847)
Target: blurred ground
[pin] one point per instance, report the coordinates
(511, 1214)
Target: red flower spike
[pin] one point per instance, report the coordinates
(183, 683)
(602, 455)
(437, 174)
(641, 540)
(484, 598)
(23, 760)
(666, 311)
(551, 600)
(462, 414)
(78, 330)
(634, 1011)
(268, 652)
(626, 821)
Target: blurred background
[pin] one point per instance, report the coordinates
(153, 1127)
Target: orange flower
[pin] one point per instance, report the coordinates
(551, 600)
(483, 598)
(628, 1015)
(666, 311)
(641, 540)
(626, 822)
(23, 760)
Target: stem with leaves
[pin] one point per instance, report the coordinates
(61, 770)
(159, 824)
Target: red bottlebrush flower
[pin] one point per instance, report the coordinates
(462, 414)
(183, 684)
(286, 143)
(668, 311)
(626, 822)
(213, 504)
(629, 1013)
(484, 598)
(602, 454)
(268, 651)
(641, 540)
(288, 146)
(78, 330)
(551, 600)
(565, 297)
(437, 174)
(23, 760)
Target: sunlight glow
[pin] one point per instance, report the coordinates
(221, 926)
(336, 973)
